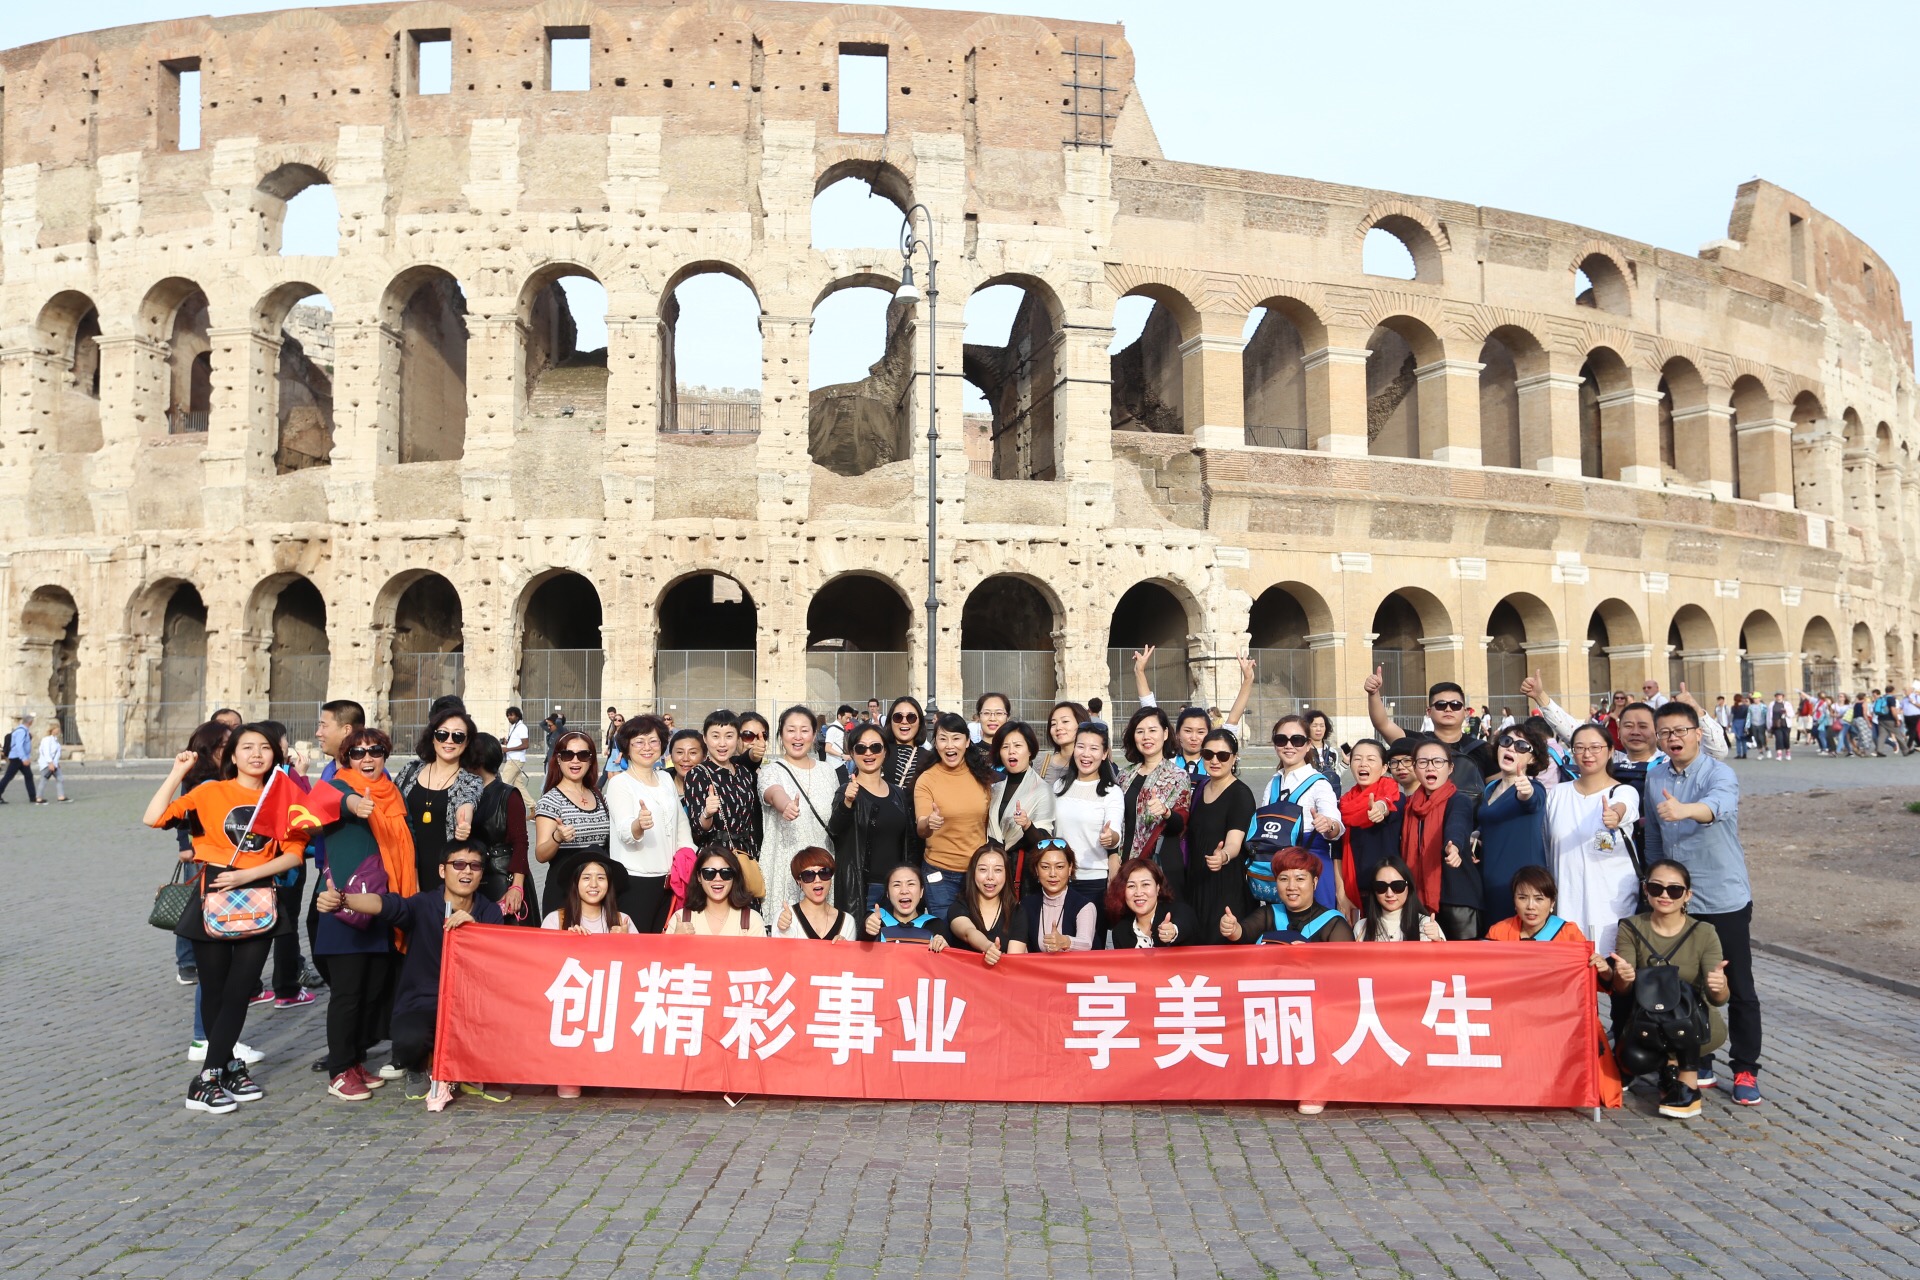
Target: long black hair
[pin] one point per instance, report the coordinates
(209, 746)
(1411, 911)
(266, 729)
(1106, 776)
(1130, 749)
(975, 756)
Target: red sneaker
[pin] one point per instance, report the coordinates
(347, 1087)
(371, 1082)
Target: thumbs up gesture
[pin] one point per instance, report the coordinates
(874, 923)
(1377, 812)
(934, 820)
(785, 922)
(1374, 683)
(712, 805)
(792, 812)
(1020, 816)
(1229, 927)
(1109, 838)
(1218, 858)
(1612, 815)
(1717, 982)
(992, 954)
(1669, 809)
(1536, 691)
(1168, 932)
(1326, 824)
(1523, 786)
(852, 791)
(1453, 854)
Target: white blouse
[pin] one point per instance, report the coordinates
(652, 853)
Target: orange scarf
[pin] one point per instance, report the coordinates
(390, 832)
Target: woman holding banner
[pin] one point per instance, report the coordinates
(1144, 906)
(986, 919)
(812, 916)
(902, 915)
(718, 906)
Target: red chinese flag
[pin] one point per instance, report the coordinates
(314, 810)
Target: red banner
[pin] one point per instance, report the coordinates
(1462, 1024)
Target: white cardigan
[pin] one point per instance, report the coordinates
(651, 854)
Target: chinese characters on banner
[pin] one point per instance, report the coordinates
(1466, 1024)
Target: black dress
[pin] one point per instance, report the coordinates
(1210, 892)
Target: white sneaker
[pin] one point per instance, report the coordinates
(391, 1072)
(197, 1052)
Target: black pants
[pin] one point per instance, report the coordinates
(286, 947)
(25, 770)
(1460, 924)
(320, 962)
(1095, 889)
(229, 975)
(1743, 1006)
(645, 902)
(413, 1041)
(354, 996)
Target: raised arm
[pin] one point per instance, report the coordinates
(1141, 657)
(1377, 708)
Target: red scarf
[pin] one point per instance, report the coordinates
(1355, 805)
(1423, 839)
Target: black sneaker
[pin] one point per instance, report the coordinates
(239, 1084)
(1679, 1101)
(310, 976)
(207, 1094)
(187, 975)
(416, 1087)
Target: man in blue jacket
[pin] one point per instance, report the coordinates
(20, 758)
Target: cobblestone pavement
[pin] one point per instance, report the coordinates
(102, 1172)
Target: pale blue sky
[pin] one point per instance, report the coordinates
(1636, 118)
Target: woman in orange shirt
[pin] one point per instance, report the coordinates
(218, 817)
(1533, 920)
(950, 809)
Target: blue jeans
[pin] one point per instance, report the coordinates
(183, 957)
(944, 892)
(1739, 735)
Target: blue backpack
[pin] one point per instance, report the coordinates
(1304, 933)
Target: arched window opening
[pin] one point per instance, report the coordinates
(1684, 451)
(561, 658)
(1598, 283)
(1593, 459)
(433, 371)
(1811, 490)
(1751, 404)
(1148, 614)
(1599, 665)
(1820, 659)
(710, 364)
(860, 378)
(1506, 659)
(708, 637)
(566, 351)
(1383, 253)
(1283, 674)
(1393, 402)
(852, 213)
(51, 626)
(1145, 367)
(189, 367)
(1401, 660)
(1864, 673)
(1007, 646)
(1763, 655)
(857, 629)
(304, 387)
(429, 654)
(298, 658)
(1273, 380)
(1669, 447)
(181, 704)
(1692, 653)
(1011, 365)
(299, 213)
(69, 331)
(1499, 406)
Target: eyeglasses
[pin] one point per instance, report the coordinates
(361, 753)
(1291, 739)
(1657, 890)
(1430, 764)
(716, 873)
(1448, 704)
(449, 735)
(1216, 757)
(747, 735)
(869, 748)
(1519, 746)
(1590, 748)
(813, 875)
(463, 865)
(904, 717)
(1674, 735)
(1389, 886)
(576, 754)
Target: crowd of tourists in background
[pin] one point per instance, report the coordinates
(1864, 726)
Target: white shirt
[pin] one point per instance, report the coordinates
(515, 746)
(836, 741)
(1318, 799)
(1077, 818)
(651, 854)
(49, 753)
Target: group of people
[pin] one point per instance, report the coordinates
(25, 759)
(1862, 726)
(985, 834)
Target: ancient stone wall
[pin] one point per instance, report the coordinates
(1551, 448)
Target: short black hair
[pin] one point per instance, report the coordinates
(516, 713)
(486, 753)
(721, 717)
(1444, 686)
(444, 701)
(845, 709)
(1678, 710)
(1094, 705)
(347, 712)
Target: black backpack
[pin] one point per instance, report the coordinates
(1668, 1017)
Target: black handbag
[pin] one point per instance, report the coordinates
(172, 899)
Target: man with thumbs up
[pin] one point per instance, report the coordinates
(1694, 802)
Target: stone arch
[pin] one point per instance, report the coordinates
(275, 197)
(426, 306)
(1424, 236)
(1018, 377)
(1410, 626)
(861, 424)
(558, 618)
(1514, 426)
(843, 221)
(1683, 415)
(1812, 485)
(49, 656)
(1148, 374)
(1398, 346)
(1751, 403)
(1865, 660)
(286, 625)
(707, 635)
(1520, 625)
(1606, 420)
(1289, 671)
(1160, 612)
(1280, 332)
(561, 376)
(1820, 658)
(419, 628)
(1010, 625)
(300, 394)
(859, 628)
(171, 617)
(1616, 649)
(175, 314)
(1609, 277)
(716, 317)
(1763, 654)
(1693, 652)
(67, 409)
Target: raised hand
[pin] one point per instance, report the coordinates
(359, 806)
(463, 822)
(1374, 683)
(1612, 815)
(1326, 825)
(934, 820)
(1109, 838)
(785, 922)
(1669, 809)
(184, 761)
(643, 820)
(1058, 941)
(1229, 926)
(1536, 691)
(792, 812)
(1622, 971)
(1168, 933)
(992, 954)
(1523, 786)
(1218, 858)
(874, 923)
(1453, 854)
(328, 901)
(1717, 982)
(848, 796)
(1020, 816)
(562, 829)
(1377, 812)
(711, 808)
(1141, 657)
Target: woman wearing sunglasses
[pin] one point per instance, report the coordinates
(1216, 873)
(1318, 828)
(1158, 792)
(1666, 934)
(869, 823)
(812, 916)
(571, 818)
(1436, 841)
(1020, 809)
(717, 903)
(1512, 818)
(1393, 912)
(440, 788)
(1589, 824)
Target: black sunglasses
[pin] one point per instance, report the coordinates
(1450, 704)
(905, 717)
(1291, 739)
(1674, 891)
(813, 875)
(869, 748)
(1216, 757)
(449, 735)
(464, 865)
(1519, 746)
(716, 873)
(574, 754)
(361, 753)
(747, 735)
(1389, 886)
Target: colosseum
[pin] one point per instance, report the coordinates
(1546, 447)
